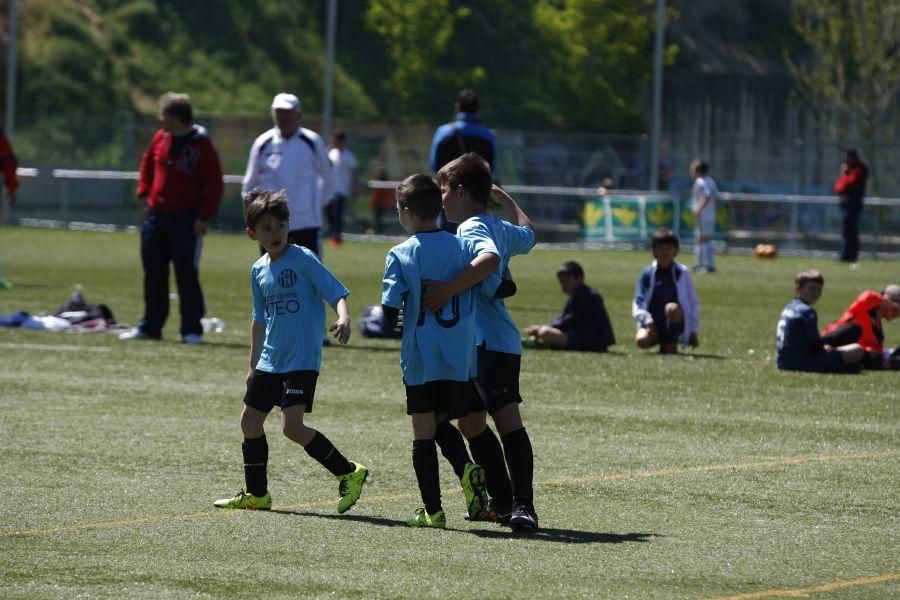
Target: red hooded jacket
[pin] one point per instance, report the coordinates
(190, 180)
(8, 164)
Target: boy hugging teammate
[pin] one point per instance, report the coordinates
(288, 284)
(466, 186)
(437, 356)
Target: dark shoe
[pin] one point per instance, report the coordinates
(669, 348)
(523, 519)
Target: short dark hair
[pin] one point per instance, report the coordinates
(700, 166)
(178, 106)
(339, 134)
(851, 154)
(807, 276)
(570, 267)
(260, 203)
(470, 171)
(663, 236)
(421, 194)
(467, 100)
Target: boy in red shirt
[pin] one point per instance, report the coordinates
(862, 323)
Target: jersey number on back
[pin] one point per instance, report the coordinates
(438, 316)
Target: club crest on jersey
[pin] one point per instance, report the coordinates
(287, 278)
(188, 159)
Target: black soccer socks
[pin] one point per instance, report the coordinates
(487, 452)
(321, 449)
(520, 460)
(256, 457)
(453, 447)
(425, 463)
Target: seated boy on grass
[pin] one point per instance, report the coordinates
(584, 323)
(665, 304)
(862, 323)
(799, 347)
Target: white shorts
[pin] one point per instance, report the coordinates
(706, 223)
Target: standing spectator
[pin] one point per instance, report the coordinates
(705, 196)
(8, 164)
(381, 201)
(294, 159)
(179, 188)
(851, 189)
(464, 134)
(344, 162)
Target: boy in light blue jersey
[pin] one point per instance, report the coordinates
(437, 355)
(289, 284)
(466, 187)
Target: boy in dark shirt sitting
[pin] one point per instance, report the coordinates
(797, 342)
(584, 323)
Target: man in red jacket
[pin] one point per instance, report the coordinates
(179, 188)
(851, 189)
(8, 164)
(861, 323)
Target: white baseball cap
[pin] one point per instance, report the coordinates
(286, 101)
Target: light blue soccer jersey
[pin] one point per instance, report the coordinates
(287, 297)
(493, 325)
(439, 345)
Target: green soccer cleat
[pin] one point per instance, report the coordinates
(423, 519)
(350, 487)
(473, 488)
(245, 501)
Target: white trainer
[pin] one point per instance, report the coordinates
(135, 334)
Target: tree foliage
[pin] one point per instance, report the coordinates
(600, 54)
(417, 33)
(852, 83)
(567, 63)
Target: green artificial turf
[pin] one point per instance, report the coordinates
(705, 474)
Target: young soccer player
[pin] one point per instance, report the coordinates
(584, 323)
(862, 323)
(466, 186)
(665, 303)
(288, 284)
(438, 349)
(705, 196)
(797, 342)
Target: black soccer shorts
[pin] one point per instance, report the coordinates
(268, 390)
(443, 397)
(498, 379)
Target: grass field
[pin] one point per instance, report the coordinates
(706, 474)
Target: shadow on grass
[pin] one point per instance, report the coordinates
(565, 536)
(687, 355)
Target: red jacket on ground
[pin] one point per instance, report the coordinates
(189, 180)
(8, 164)
(864, 313)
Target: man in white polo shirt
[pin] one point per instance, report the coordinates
(292, 158)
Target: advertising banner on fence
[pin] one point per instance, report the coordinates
(628, 217)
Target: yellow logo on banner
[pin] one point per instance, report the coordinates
(593, 215)
(659, 215)
(689, 218)
(625, 216)
(722, 218)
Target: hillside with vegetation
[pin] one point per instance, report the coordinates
(582, 64)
